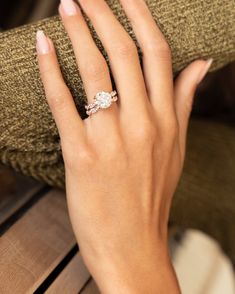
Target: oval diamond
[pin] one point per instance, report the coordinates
(104, 99)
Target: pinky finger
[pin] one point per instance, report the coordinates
(185, 87)
(69, 123)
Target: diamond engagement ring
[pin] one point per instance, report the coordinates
(102, 100)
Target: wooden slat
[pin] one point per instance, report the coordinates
(35, 244)
(72, 278)
(15, 191)
(91, 288)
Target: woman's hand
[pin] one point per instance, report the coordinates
(123, 163)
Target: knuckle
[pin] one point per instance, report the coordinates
(46, 70)
(172, 129)
(96, 70)
(57, 99)
(161, 49)
(115, 148)
(86, 157)
(145, 134)
(125, 49)
(79, 159)
(47, 64)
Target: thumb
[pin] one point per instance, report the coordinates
(184, 90)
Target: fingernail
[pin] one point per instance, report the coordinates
(205, 70)
(43, 46)
(69, 7)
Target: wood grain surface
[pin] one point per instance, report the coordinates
(91, 288)
(32, 248)
(72, 278)
(15, 191)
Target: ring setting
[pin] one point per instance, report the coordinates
(102, 100)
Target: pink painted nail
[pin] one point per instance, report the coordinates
(43, 46)
(69, 7)
(205, 70)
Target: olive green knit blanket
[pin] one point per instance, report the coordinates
(29, 140)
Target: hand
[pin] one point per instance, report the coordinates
(123, 163)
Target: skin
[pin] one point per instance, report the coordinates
(123, 163)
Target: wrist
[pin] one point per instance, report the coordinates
(141, 272)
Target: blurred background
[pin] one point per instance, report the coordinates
(200, 264)
(14, 13)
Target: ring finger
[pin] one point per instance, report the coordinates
(92, 66)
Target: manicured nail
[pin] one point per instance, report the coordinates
(43, 46)
(69, 7)
(205, 70)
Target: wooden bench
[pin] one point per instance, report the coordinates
(38, 251)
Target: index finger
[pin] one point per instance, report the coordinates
(69, 123)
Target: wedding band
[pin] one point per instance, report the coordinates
(102, 100)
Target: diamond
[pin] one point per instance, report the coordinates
(104, 99)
